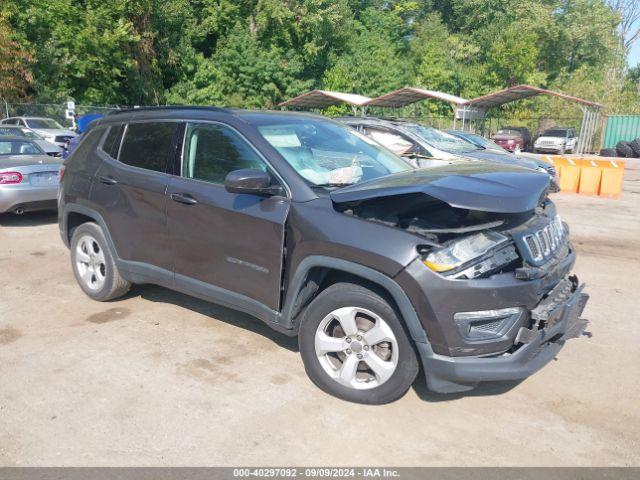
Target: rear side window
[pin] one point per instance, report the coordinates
(111, 144)
(148, 145)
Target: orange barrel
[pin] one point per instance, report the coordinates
(612, 176)
(569, 174)
(590, 175)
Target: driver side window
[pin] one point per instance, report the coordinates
(211, 151)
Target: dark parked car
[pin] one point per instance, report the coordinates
(506, 156)
(513, 138)
(377, 267)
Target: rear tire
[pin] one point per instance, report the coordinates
(624, 149)
(635, 146)
(93, 264)
(354, 346)
(608, 152)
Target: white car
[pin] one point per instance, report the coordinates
(556, 140)
(47, 128)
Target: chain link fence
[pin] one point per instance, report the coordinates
(55, 111)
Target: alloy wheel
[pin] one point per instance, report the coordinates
(356, 348)
(90, 262)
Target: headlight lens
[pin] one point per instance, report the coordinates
(463, 250)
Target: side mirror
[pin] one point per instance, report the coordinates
(251, 181)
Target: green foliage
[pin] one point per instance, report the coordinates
(15, 72)
(256, 53)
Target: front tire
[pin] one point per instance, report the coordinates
(93, 264)
(354, 346)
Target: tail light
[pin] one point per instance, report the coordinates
(61, 174)
(9, 178)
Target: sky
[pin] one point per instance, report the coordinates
(634, 55)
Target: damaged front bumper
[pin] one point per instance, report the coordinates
(554, 320)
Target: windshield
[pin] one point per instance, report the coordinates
(18, 147)
(554, 133)
(42, 123)
(441, 140)
(11, 132)
(484, 142)
(327, 154)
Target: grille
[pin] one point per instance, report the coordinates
(491, 326)
(62, 138)
(543, 243)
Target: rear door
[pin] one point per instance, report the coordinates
(130, 189)
(226, 240)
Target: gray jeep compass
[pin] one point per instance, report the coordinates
(378, 268)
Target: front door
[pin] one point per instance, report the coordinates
(230, 241)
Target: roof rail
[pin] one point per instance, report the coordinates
(168, 107)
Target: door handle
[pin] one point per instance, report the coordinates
(108, 180)
(183, 198)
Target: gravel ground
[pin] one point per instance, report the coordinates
(163, 379)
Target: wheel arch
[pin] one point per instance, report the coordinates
(75, 215)
(315, 273)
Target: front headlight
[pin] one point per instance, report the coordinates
(462, 251)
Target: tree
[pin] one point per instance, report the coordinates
(15, 68)
(629, 12)
(372, 63)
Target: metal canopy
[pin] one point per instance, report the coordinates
(520, 92)
(408, 95)
(324, 98)
(591, 111)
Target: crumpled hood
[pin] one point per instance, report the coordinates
(480, 186)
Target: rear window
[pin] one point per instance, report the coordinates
(11, 132)
(555, 133)
(19, 147)
(43, 123)
(148, 145)
(508, 131)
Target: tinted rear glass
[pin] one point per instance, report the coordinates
(19, 147)
(555, 133)
(148, 145)
(11, 132)
(508, 131)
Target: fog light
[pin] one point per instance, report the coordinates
(486, 324)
